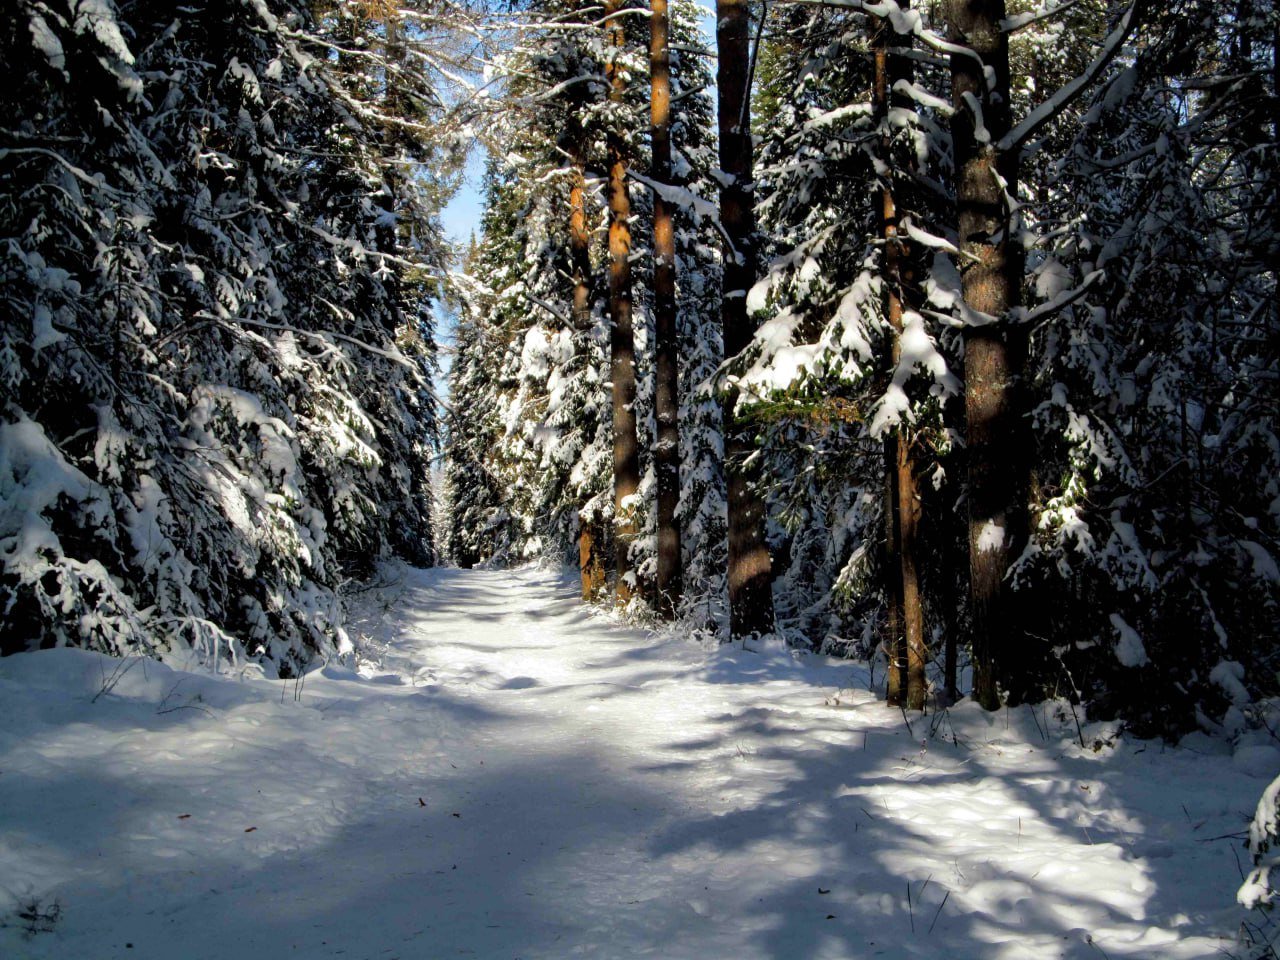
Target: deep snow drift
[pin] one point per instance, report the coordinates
(517, 777)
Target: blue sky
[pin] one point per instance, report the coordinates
(462, 214)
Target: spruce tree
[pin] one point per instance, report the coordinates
(197, 308)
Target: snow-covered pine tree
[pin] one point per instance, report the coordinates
(828, 326)
(667, 585)
(750, 570)
(697, 324)
(619, 57)
(701, 510)
(992, 261)
(478, 518)
(196, 310)
(899, 264)
(1258, 891)
(389, 59)
(543, 285)
(823, 373)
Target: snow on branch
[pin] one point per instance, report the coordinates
(926, 239)
(558, 314)
(87, 178)
(1052, 107)
(905, 22)
(1258, 889)
(702, 210)
(1058, 303)
(923, 97)
(841, 113)
(323, 336)
(1022, 20)
(918, 352)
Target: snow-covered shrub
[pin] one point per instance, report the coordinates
(1258, 892)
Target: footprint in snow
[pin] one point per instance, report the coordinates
(519, 683)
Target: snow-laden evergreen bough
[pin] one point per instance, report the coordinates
(819, 374)
(1155, 400)
(214, 346)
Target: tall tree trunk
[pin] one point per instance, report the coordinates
(908, 654)
(667, 455)
(909, 514)
(750, 566)
(622, 352)
(590, 553)
(994, 354)
(590, 557)
(895, 642)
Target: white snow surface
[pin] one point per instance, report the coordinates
(509, 774)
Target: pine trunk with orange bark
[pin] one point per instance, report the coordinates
(991, 267)
(622, 349)
(590, 545)
(908, 655)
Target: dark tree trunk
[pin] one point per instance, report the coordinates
(750, 567)
(622, 352)
(991, 265)
(909, 515)
(667, 455)
(908, 655)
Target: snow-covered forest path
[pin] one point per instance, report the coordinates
(519, 777)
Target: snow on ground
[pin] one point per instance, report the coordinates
(520, 778)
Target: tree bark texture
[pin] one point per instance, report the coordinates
(908, 655)
(622, 350)
(750, 566)
(590, 558)
(667, 404)
(895, 646)
(991, 265)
